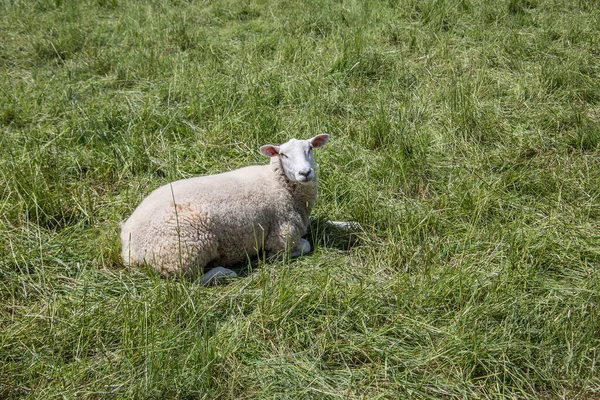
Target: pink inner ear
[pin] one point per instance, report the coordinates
(319, 140)
(269, 150)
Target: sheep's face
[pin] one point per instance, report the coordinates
(296, 157)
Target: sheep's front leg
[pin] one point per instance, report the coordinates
(287, 237)
(216, 276)
(302, 248)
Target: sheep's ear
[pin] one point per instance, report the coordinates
(269, 150)
(319, 140)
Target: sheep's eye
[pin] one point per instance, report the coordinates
(283, 155)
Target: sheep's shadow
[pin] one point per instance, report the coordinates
(321, 233)
(333, 234)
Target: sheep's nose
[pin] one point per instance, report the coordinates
(305, 172)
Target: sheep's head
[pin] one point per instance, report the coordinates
(296, 157)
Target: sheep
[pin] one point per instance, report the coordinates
(220, 220)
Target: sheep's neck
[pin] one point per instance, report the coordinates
(304, 194)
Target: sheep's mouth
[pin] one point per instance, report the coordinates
(304, 179)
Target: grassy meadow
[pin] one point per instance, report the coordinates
(465, 140)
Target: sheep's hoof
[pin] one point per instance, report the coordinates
(216, 276)
(302, 249)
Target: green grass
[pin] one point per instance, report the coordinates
(465, 141)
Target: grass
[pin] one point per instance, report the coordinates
(465, 141)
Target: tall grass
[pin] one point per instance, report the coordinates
(465, 141)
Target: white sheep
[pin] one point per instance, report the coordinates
(221, 220)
